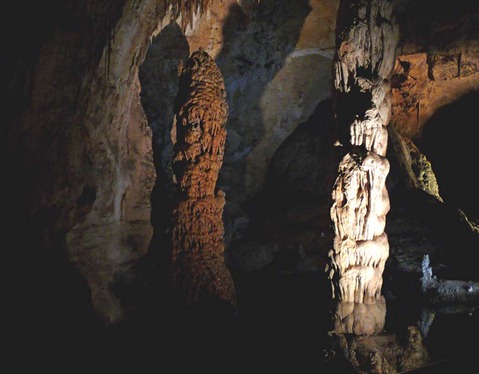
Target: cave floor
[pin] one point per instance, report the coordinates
(281, 323)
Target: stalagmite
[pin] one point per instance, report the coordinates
(198, 268)
(366, 38)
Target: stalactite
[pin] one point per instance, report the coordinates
(186, 9)
(198, 267)
(364, 62)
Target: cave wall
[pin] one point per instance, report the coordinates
(117, 230)
(435, 84)
(434, 88)
(80, 149)
(438, 61)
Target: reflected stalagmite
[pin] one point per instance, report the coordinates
(198, 267)
(366, 38)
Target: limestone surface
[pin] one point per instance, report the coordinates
(198, 268)
(366, 40)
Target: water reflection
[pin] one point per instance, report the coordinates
(382, 353)
(360, 318)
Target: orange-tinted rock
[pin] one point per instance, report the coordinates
(409, 84)
(425, 82)
(198, 267)
(444, 67)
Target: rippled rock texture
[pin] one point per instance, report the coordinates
(366, 40)
(198, 267)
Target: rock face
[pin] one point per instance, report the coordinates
(415, 169)
(82, 142)
(437, 62)
(198, 267)
(434, 86)
(366, 42)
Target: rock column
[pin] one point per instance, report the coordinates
(198, 268)
(366, 38)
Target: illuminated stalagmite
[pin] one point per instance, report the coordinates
(198, 267)
(366, 38)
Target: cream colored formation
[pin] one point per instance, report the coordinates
(363, 65)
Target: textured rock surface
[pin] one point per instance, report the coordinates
(438, 60)
(434, 92)
(95, 174)
(117, 230)
(414, 167)
(418, 92)
(366, 41)
(434, 88)
(84, 143)
(198, 267)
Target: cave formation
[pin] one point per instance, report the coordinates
(363, 66)
(96, 226)
(198, 267)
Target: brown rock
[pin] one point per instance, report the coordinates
(198, 267)
(443, 67)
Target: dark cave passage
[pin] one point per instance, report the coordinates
(449, 142)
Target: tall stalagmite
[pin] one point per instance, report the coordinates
(198, 267)
(366, 38)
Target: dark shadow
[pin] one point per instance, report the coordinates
(424, 23)
(159, 85)
(148, 297)
(256, 43)
(46, 296)
(47, 301)
(279, 322)
(292, 210)
(449, 142)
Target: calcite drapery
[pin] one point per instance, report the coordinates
(198, 267)
(364, 61)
